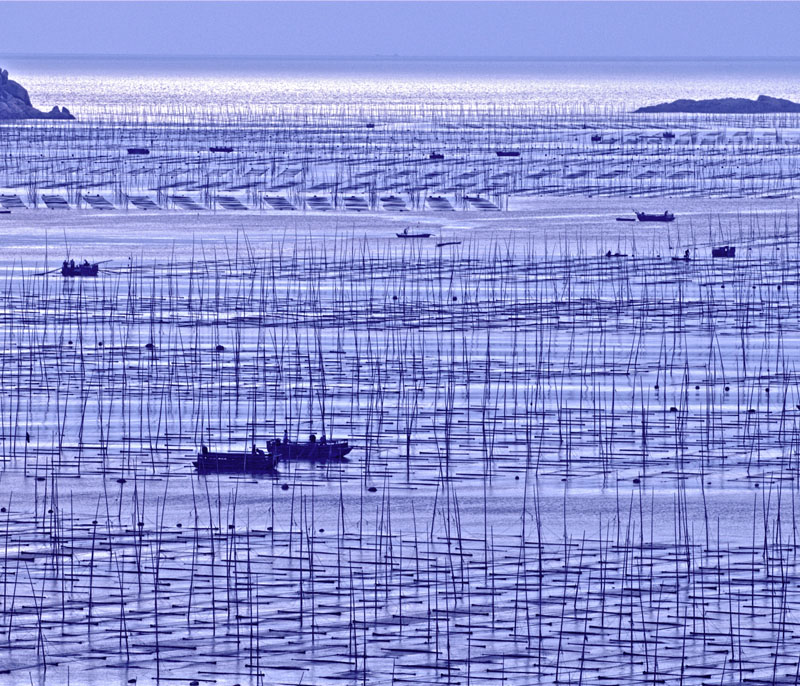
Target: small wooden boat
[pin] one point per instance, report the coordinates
(645, 217)
(596, 138)
(254, 462)
(436, 156)
(71, 269)
(406, 234)
(668, 135)
(616, 254)
(445, 243)
(138, 151)
(323, 450)
(507, 153)
(626, 219)
(685, 258)
(724, 251)
(220, 148)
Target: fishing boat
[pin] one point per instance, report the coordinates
(85, 269)
(685, 257)
(507, 153)
(322, 450)
(644, 217)
(724, 251)
(406, 234)
(255, 461)
(220, 148)
(138, 151)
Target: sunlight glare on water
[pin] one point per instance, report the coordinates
(130, 83)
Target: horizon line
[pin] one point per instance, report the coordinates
(396, 57)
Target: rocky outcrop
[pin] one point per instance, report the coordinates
(762, 105)
(16, 104)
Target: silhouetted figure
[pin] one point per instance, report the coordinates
(204, 450)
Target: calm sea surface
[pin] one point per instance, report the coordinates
(84, 83)
(556, 455)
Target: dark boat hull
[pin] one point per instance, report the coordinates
(80, 270)
(413, 235)
(330, 451)
(644, 217)
(235, 463)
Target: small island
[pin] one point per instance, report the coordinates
(764, 104)
(16, 104)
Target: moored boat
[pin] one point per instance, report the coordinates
(255, 461)
(685, 257)
(405, 234)
(322, 450)
(85, 269)
(645, 217)
(724, 251)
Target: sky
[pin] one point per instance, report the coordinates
(449, 29)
